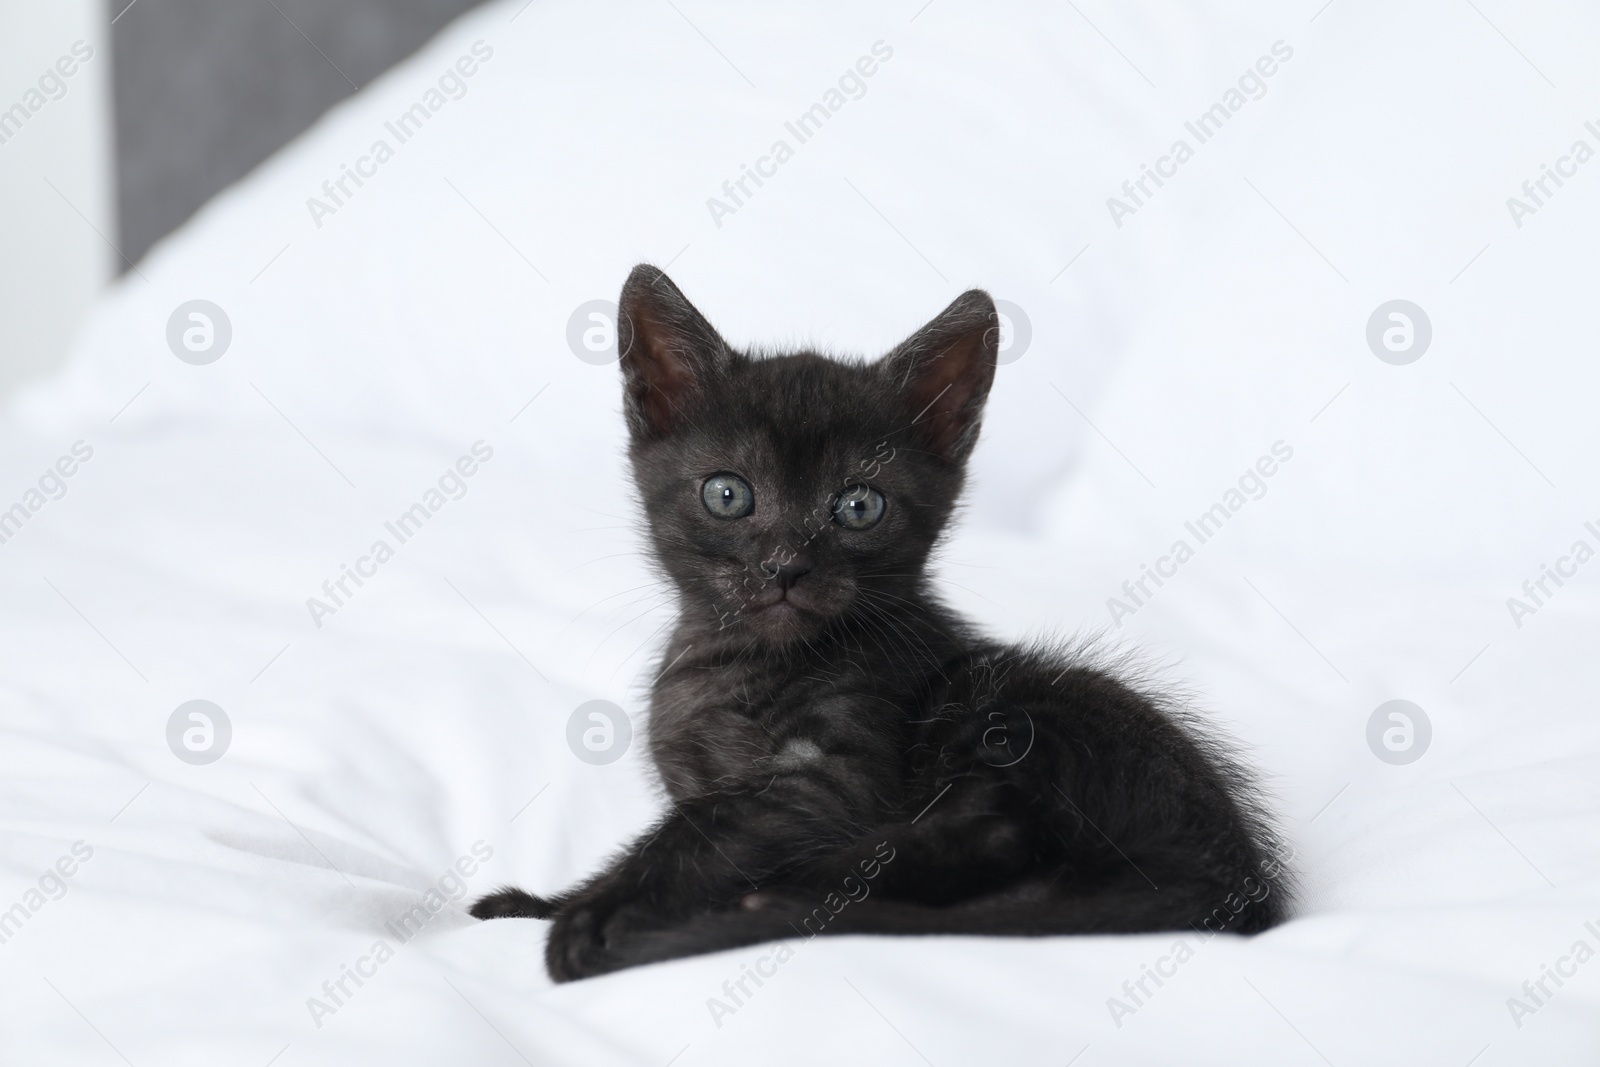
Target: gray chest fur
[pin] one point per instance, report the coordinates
(713, 727)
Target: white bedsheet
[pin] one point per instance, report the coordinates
(423, 722)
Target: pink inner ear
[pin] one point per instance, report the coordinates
(664, 371)
(943, 392)
(669, 381)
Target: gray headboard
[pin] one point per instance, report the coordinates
(206, 89)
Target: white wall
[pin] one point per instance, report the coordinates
(52, 260)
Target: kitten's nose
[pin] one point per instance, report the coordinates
(792, 571)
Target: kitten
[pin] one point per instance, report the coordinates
(840, 753)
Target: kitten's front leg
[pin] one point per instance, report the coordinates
(649, 886)
(581, 940)
(703, 857)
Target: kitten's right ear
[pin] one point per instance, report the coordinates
(669, 351)
(944, 370)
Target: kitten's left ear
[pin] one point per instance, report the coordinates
(669, 351)
(945, 370)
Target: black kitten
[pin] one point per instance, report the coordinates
(826, 730)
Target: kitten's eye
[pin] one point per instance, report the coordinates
(858, 508)
(728, 496)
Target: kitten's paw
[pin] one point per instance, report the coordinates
(585, 937)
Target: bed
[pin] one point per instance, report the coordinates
(191, 511)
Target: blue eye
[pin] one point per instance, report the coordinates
(728, 496)
(859, 508)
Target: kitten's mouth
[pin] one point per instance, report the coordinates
(782, 603)
(785, 609)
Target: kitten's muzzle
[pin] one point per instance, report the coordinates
(785, 591)
(787, 575)
(784, 596)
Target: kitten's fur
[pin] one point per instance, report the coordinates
(840, 752)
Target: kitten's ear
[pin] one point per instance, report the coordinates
(945, 370)
(668, 349)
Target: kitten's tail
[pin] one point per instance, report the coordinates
(508, 902)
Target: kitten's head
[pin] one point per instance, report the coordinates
(786, 493)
